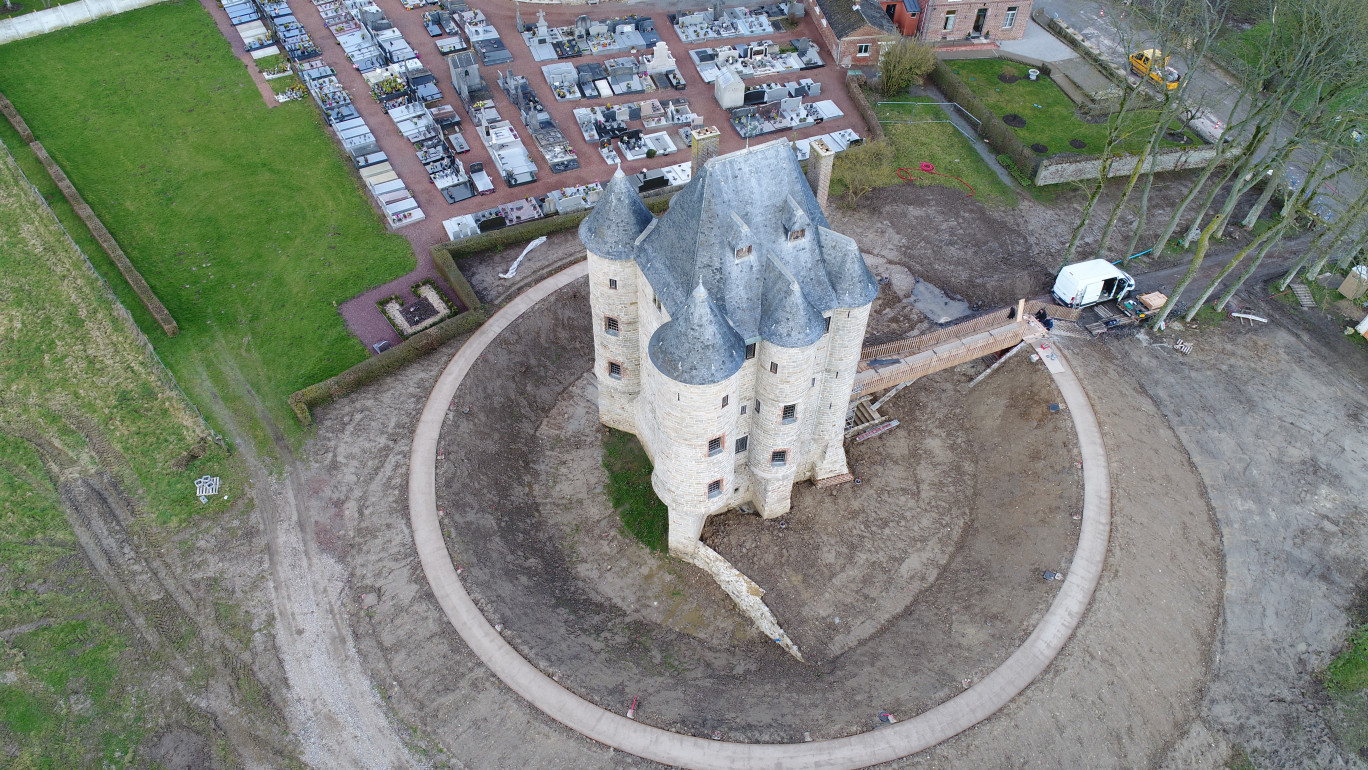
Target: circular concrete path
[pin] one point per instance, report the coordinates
(923, 731)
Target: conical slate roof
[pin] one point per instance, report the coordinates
(698, 346)
(846, 270)
(787, 319)
(611, 229)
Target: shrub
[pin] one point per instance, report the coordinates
(903, 65)
(864, 167)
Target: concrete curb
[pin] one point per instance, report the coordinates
(923, 731)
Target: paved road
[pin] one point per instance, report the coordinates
(1105, 25)
(925, 730)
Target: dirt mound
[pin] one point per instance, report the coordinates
(1077, 144)
(1040, 149)
(1008, 77)
(1014, 120)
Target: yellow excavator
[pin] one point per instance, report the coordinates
(1153, 64)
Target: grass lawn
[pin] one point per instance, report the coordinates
(245, 220)
(942, 145)
(1048, 112)
(75, 373)
(1349, 671)
(643, 515)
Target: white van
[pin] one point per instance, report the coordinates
(1091, 282)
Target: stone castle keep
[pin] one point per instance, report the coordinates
(727, 333)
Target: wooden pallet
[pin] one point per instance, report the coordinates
(1303, 293)
(831, 481)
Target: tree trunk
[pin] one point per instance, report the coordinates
(1203, 243)
(1225, 298)
(1269, 188)
(1272, 234)
(1121, 203)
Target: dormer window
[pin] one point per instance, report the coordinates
(797, 235)
(743, 252)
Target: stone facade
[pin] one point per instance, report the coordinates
(1001, 19)
(726, 334)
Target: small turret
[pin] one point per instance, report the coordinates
(787, 319)
(611, 229)
(699, 347)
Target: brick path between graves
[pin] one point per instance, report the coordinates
(360, 313)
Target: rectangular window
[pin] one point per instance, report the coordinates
(750, 351)
(949, 21)
(757, 406)
(779, 458)
(1009, 20)
(726, 400)
(612, 283)
(828, 323)
(715, 446)
(742, 443)
(774, 367)
(714, 488)
(743, 252)
(656, 300)
(790, 413)
(743, 409)
(615, 370)
(610, 325)
(814, 382)
(862, 49)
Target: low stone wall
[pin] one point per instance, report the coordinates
(63, 16)
(1057, 170)
(855, 87)
(1075, 40)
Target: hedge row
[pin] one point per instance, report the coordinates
(388, 362)
(107, 242)
(991, 127)
(656, 201)
(855, 86)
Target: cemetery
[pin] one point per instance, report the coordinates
(587, 37)
(484, 39)
(505, 147)
(717, 22)
(560, 156)
(756, 60)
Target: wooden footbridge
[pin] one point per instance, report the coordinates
(894, 363)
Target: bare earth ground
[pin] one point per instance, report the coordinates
(1117, 696)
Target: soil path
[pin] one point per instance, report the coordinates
(334, 709)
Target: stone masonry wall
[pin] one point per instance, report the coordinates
(1057, 170)
(792, 384)
(843, 355)
(617, 397)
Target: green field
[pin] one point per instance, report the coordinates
(245, 220)
(1050, 114)
(940, 144)
(643, 516)
(76, 375)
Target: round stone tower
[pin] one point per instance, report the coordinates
(689, 415)
(609, 234)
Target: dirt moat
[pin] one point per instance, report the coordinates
(926, 574)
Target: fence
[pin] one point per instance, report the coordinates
(991, 127)
(63, 16)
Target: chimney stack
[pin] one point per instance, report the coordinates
(705, 144)
(820, 159)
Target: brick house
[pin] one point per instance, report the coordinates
(856, 32)
(946, 20)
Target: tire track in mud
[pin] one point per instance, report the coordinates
(159, 608)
